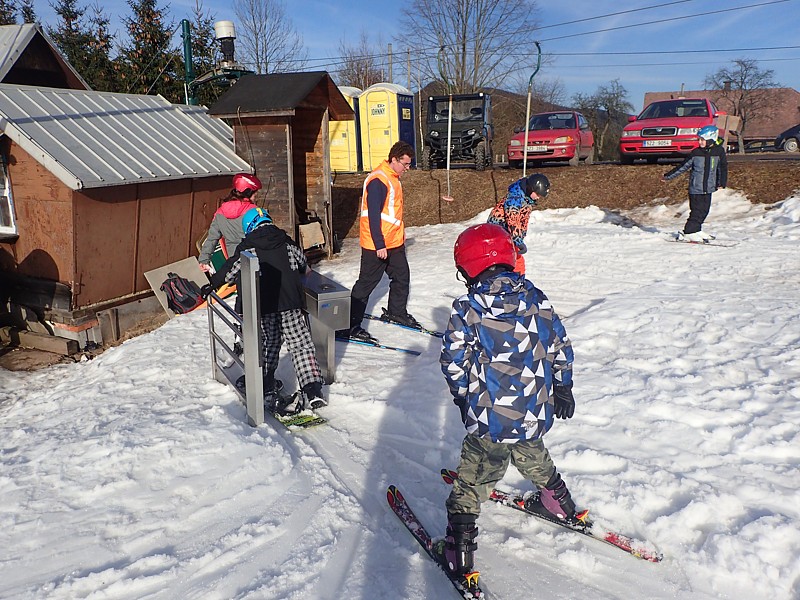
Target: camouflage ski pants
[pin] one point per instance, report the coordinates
(484, 463)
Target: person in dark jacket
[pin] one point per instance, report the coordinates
(708, 168)
(508, 363)
(281, 262)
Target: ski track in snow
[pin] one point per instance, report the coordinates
(135, 475)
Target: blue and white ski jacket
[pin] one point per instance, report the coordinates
(709, 170)
(502, 351)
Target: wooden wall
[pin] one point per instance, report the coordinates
(43, 207)
(100, 241)
(262, 142)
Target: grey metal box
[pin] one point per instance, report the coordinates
(327, 300)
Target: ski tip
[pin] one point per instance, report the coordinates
(393, 495)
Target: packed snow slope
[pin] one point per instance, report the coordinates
(135, 475)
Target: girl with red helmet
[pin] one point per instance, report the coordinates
(508, 363)
(226, 225)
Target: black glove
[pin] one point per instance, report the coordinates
(563, 402)
(206, 290)
(462, 405)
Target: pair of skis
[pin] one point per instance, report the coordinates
(581, 524)
(377, 344)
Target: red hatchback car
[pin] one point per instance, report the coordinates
(561, 135)
(666, 129)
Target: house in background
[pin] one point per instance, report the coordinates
(281, 124)
(96, 188)
(782, 109)
(29, 57)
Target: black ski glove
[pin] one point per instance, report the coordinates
(206, 290)
(462, 405)
(563, 402)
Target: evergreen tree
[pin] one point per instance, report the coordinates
(27, 12)
(70, 35)
(8, 12)
(146, 62)
(101, 72)
(86, 47)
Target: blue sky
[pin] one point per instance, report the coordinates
(759, 24)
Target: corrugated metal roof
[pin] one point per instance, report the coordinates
(93, 139)
(14, 39)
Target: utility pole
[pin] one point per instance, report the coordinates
(390, 63)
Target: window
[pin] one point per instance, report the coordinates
(8, 222)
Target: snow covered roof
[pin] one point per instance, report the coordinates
(93, 139)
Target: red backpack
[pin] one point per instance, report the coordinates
(182, 294)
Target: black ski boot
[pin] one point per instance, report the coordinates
(312, 395)
(553, 501)
(457, 552)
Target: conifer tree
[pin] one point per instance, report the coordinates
(8, 12)
(87, 47)
(27, 12)
(147, 63)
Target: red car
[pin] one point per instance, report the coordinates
(666, 129)
(561, 135)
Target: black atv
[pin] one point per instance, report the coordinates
(471, 131)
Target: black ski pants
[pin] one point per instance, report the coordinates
(699, 205)
(372, 269)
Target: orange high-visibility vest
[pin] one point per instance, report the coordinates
(392, 226)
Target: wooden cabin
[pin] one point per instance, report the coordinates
(96, 189)
(281, 126)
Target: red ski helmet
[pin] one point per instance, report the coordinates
(482, 246)
(243, 182)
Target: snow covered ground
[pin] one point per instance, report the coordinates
(134, 475)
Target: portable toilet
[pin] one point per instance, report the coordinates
(345, 141)
(386, 116)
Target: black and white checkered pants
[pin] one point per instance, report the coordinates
(290, 325)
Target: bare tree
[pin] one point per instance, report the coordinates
(742, 91)
(360, 66)
(607, 111)
(473, 44)
(268, 41)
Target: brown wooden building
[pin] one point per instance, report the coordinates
(280, 125)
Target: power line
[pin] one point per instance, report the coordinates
(705, 14)
(430, 52)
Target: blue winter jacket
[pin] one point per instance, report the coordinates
(503, 350)
(709, 170)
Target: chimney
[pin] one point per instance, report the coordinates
(726, 85)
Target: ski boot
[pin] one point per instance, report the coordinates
(457, 551)
(356, 333)
(405, 319)
(312, 396)
(553, 500)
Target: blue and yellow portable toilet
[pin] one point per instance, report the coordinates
(344, 136)
(386, 116)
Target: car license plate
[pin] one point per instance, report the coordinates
(656, 143)
(537, 148)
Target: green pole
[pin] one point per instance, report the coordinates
(188, 77)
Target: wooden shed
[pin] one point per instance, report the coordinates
(97, 188)
(281, 126)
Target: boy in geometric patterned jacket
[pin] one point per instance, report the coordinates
(508, 363)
